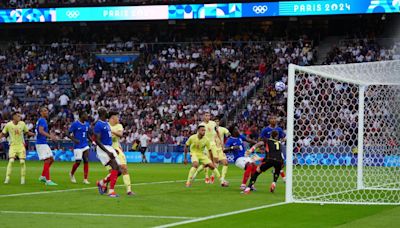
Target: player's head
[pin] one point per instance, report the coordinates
(16, 116)
(207, 116)
(275, 135)
(44, 112)
(272, 120)
(102, 111)
(83, 116)
(201, 130)
(113, 117)
(218, 119)
(234, 131)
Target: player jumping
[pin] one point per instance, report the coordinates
(15, 131)
(78, 133)
(198, 143)
(117, 131)
(42, 148)
(273, 158)
(106, 153)
(266, 134)
(242, 160)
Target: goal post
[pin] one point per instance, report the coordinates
(343, 133)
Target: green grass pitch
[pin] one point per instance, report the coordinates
(162, 199)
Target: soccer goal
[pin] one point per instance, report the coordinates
(343, 134)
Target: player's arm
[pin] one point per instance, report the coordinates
(219, 138)
(73, 139)
(44, 133)
(118, 133)
(71, 136)
(29, 133)
(26, 131)
(230, 148)
(4, 133)
(249, 140)
(90, 135)
(210, 154)
(254, 147)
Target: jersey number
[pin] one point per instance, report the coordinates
(277, 145)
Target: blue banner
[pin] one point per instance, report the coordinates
(199, 11)
(117, 58)
(331, 7)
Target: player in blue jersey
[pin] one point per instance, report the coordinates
(106, 153)
(242, 159)
(266, 134)
(42, 148)
(273, 126)
(78, 133)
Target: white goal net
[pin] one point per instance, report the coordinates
(343, 134)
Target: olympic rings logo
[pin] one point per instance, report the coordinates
(72, 13)
(260, 9)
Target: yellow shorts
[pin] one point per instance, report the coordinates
(220, 155)
(201, 159)
(19, 152)
(121, 155)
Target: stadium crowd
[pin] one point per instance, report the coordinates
(362, 50)
(162, 94)
(269, 101)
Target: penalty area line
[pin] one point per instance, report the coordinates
(83, 189)
(94, 215)
(220, 215)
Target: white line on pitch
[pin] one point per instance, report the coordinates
(83, 189)
(220, 215)
(95, 215)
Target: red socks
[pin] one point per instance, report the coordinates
(107, 178)
(46, 170)
(254, 169)
(283, 174)
(85, 170)
(74, 167)
(247, 174)
(113, 178)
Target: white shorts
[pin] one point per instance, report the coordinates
(79, 152)
(242, 161)
(43, 151)
(103, 156)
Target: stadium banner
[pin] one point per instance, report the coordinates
(199, 11)
(117, 58)
(324, 159)
(332, 7)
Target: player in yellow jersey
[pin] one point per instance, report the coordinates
(117, 131)
(220, 157)
(212, 136)
(198, 143)
(15, 131)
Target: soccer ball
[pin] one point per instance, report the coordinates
(280, 86)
